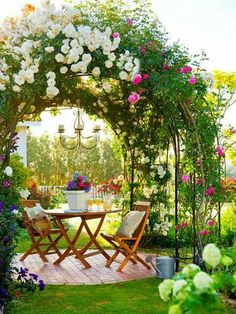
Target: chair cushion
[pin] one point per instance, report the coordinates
(130, 224)
(40, 221)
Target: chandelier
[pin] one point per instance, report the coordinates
(79, 140)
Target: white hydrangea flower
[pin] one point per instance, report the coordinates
(175, 309)
(8, 171)
(211, 255)
(165, 289)
(96, 71)
(190, 269)
(202, 280)
(178, 285)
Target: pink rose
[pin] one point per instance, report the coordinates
(133, 98)
(210, 191)
(130, 22)
(184, 224)
(177, 227)
(220, 151)
(185, 178)
(143, 49)
(211, 223)
(186, 69)
(137, 79)
(203, 232)
(115, 35)
(145, 76)
(192, 80)
(233, 131)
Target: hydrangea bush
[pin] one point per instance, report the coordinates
(194, 291)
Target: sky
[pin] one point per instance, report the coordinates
(208, 25)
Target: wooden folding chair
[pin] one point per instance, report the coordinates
(128, 245)
(37, 239)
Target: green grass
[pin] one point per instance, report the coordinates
(139, 296)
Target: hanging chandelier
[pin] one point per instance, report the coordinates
(79, 140)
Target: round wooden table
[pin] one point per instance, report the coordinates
(81, 254)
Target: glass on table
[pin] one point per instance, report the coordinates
(90, 204)
(107, 203)
(98, 202)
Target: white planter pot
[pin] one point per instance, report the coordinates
(77, 200)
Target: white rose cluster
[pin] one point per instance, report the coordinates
(51, 90)
(128, 65)
(163, 227)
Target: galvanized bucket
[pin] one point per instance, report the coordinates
(165, 267)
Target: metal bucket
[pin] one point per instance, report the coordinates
(165, 267)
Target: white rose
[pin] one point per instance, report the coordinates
(202, 280)
(65, 48)
(112, 56)
(86, 58)
(52, 91)
(49, 49)
(105, 110)
(63, 70)
(152, 174)
(51, 82)
(123, 75)
(74, 43)
(108, 64)
(178, 285)
(16, 88)
(211, 255)
(96, 71)
(107, 87)
(51, 35)
(8, 171)
(19, 80)
(92, 48)
(2, 87)
(24, 193)
(165, 289)
(51, 74)
(129, 66)
(59, 57)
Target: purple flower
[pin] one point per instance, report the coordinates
(41, 285)
(12, 207)
(3, 292)
(34, 276)
(1, 206)
(23, 272)
(71, 185)
(6, 184)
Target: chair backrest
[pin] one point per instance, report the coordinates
(25, 218)
(28, 203)
(141, 206)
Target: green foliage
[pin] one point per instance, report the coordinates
(21, 173)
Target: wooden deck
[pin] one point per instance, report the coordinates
(71, 272)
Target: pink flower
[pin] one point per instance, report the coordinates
(203, 232)
(133, 98)
(192, 80)
(233, 131)
(177, 227)
(186, 69)
(185, 178)
(184, 224)
(145, 76)
(211, 223)
(166, 67)
(137, 79)
(115, 35)
(143, 49)
(220, 151)
(141, 90)
(130, 22)
(210, 191)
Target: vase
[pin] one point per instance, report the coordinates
(77, 200)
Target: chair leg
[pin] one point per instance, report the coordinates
(112, 258)
(141, 261)
(125, 261)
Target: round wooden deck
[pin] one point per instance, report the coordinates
(72, 272)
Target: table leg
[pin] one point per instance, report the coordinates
(93, 237)
(71, 245)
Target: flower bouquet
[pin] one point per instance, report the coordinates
(77, 192)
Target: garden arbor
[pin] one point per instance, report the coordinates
(118, 66)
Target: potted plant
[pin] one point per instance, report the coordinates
(77, 192)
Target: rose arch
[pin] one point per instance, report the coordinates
(119, 66)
